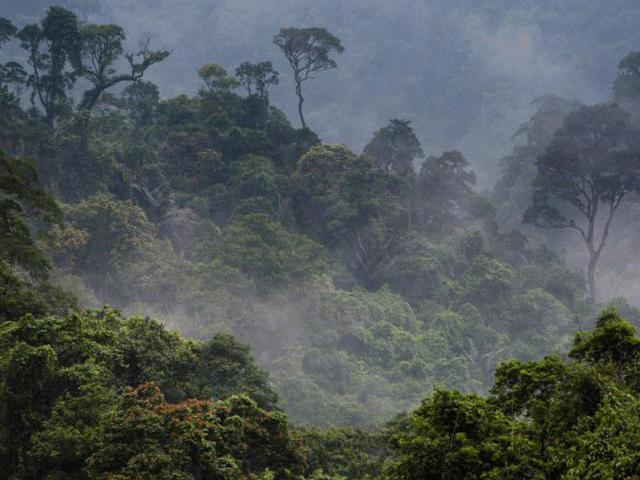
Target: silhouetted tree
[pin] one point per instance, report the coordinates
(307, 50)
(591, 165)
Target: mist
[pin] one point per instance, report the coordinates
(462, 74)
(446, 307)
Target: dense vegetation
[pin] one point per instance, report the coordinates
(362, 282)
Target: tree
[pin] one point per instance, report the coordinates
(345, 452)
(626, 86)
(582, 416)
(610, 449)
(61, 378)
(627, 83)
(216, 78)
(590, 167)
(307, 50)
(139, 100)
(101, 48)
(26, 210)
(146, 437)
(21, 199)
(513, 191)
(7, 29)
(257, 75)
(10, 72)
(61, 50)
(226, 367)
(395, 147)
(263, 249)
(53, 47)
(613, 340)
(350, 204)
(119, 233)
(444, 192)
(452, 435)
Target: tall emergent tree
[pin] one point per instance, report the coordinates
(53, 48)
(61, 49)
(307, 50)
(101, 49)
(591, 165)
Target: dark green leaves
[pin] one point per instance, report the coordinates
(395, 147)
(613, 340)
(307, 49)
(23, 201)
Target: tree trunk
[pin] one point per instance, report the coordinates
(301, 99)
(594, 253)
(591, 276)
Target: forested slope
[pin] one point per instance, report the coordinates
(362, 282)
(463, 72)
(359, 280)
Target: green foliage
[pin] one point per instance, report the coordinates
(61, 49)
(100, 50)
(7, 29)
(443, 193)
(396, 148)
(227, 368)
(257, 76)
(262, 248)
(139, 100)
(341, 452)
(119, 234)
(358, 283)
(53, 48)
(350, 204)
(60, 379)
(610, 450)
(85, 164)
(307, 51)
(149, 438)
(462, 436)
(21, 199)
(19, 297)
(216, 78)
(525, 388)
(513, 191)
(71, 433)
(613, 340)
(542, 419)
(25, 211)
(488, 281)
(190, 158)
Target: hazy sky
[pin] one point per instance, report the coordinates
(464, 73)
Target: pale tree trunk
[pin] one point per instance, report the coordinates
(594, 252)
(591, 276)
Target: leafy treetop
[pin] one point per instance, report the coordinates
(307, 50)
(591, 166)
